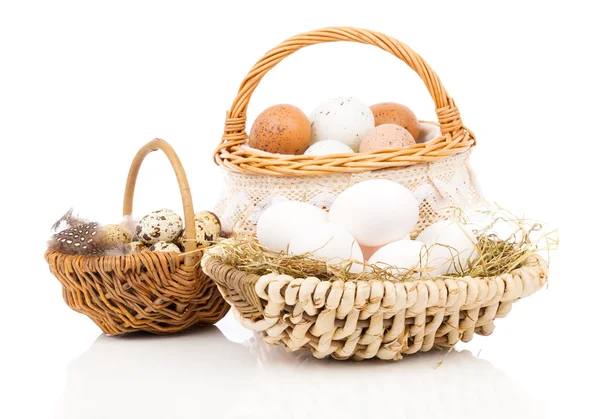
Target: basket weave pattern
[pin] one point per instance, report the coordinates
(375, 319)
(456, 138)
(147, 291)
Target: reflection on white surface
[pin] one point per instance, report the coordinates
(202, 374)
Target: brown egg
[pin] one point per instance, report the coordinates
(395, 113)
(384, 137)
(282, 129)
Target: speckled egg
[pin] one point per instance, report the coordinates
(115, 234)
(386, 136)
(161, 225)
(163, 246)
(345, 119)
(327, 147)
(395, 113)
(136, 247)
(282, 129)
(208, 217)
(208, 228)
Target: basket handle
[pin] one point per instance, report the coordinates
(189, 233)
(447, 112)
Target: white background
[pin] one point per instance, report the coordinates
(84, 84)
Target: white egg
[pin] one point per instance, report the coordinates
(324, 148)
(427, 132)
(281, 221)
(400, 256)
(328, 242)
(450, 247)
(343, 119)
(376, 212)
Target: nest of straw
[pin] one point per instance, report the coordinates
(496, 255)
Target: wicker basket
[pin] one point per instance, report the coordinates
(148, 291)
(382, 319)
(437, 171)
(359, 319)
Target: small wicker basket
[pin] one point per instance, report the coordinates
(148, 291)
(360, 319)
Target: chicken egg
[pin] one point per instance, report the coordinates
(428, 132)
(330, 243)
(386, 136)
(282, 129)
(450, 247)
(324, 148)
(343, 119)
(281, 221)
(399, 256)
(376, 212)
(395, 113)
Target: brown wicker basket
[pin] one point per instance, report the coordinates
(253, 179)
(359, 319)
(148, 291)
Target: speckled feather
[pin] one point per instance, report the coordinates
(82, 239)
(69, 220)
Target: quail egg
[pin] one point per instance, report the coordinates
(115, 234)
(162, 225)
(163, 246)
(208, 228)
(136, 247)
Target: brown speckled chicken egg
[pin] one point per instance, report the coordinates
(282, 129)
(162, 225)
(163, 246)
(115, 234)
(395, 113)
(386, 136)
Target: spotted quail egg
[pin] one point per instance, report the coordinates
(163, 246)
(208, 228)
(209, 217)
(115, 234)
(136, 247)
(162, 225)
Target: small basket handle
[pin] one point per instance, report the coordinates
(447, 113)
(189, 233)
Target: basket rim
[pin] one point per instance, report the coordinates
(534, 271)
(534, 260)
(169, 255)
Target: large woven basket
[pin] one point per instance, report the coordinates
(375, 319)
(437, 171)
(148, 291)
(359, 319)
